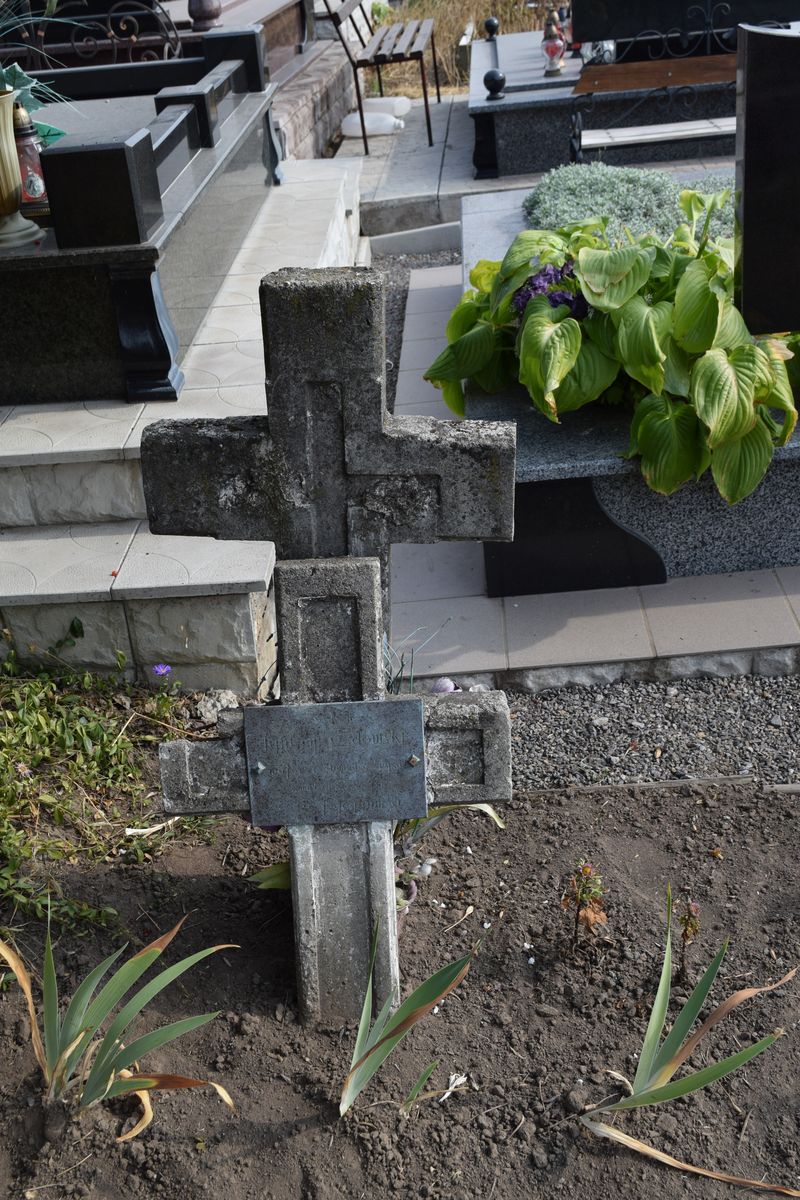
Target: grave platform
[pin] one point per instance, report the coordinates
(724, 623)
(528, 127)
(575, 471)
(73, 535)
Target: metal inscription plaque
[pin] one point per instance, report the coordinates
(328, 764)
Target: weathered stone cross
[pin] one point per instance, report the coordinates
(330, 472)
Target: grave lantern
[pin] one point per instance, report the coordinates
(34, 194)
(553, 46)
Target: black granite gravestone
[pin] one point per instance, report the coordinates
(601, 20)
(768, 179)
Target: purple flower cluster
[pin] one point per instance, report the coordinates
(540, 285)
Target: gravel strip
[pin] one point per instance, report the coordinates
(395, 269)
(633, 732)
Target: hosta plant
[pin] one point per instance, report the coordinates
(651, 325)
(662, 1056)
(84, 1060)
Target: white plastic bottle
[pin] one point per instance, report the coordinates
(376, 123)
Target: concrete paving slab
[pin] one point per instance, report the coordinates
(719, 612)
(62, 563)
(446, 570)
(465, 636)
(229, 323)
(158, 565)
(240, 401)
(44, 433)
(418, 355)
(789, 579)
(576, 627)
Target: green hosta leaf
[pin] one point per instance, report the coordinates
(592, 374)
(544, 244)
(738, 467)
(723, 389)
(691, 204)
(609, 278)
(676, 368)
(732, 331)
(663, 263)
(501, 370)
(603, 332)
(482, 274)
(470, 353)
(638, 329)
(504, 288)
(669, 438)
(453, 396)
(698, 308)
(727, 252)
(548, 347)
(780, 395)
(462, 319)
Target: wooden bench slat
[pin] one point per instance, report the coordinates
(401, 49)
(340, 15)
(595, 139)
(422, 39)
(366, 57)
(672, 72)
(384, 55)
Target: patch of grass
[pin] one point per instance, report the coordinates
(640, 200)
(76, 771)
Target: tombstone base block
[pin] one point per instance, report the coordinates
(342, 884)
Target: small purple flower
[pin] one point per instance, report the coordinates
(568, 269)
(557, 298)
(161, 669)
(444, 685)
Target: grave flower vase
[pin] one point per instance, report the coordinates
(15, 230)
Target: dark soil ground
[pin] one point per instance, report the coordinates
(533, 1026)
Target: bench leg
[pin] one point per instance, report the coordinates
(380, 81)
(435, 70)
(424, 80)
(361, 111)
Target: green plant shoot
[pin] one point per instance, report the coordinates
(659, 1060)
(79, 1061)
(374, 1045)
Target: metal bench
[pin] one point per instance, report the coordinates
(402, 42)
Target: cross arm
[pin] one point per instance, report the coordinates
(427, 480)
(215, 478)
(467, 746)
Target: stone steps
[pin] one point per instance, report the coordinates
(73, 537)
(202, 606)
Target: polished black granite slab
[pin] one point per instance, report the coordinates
(768, 178)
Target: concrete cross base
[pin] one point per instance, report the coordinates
(342, 887)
